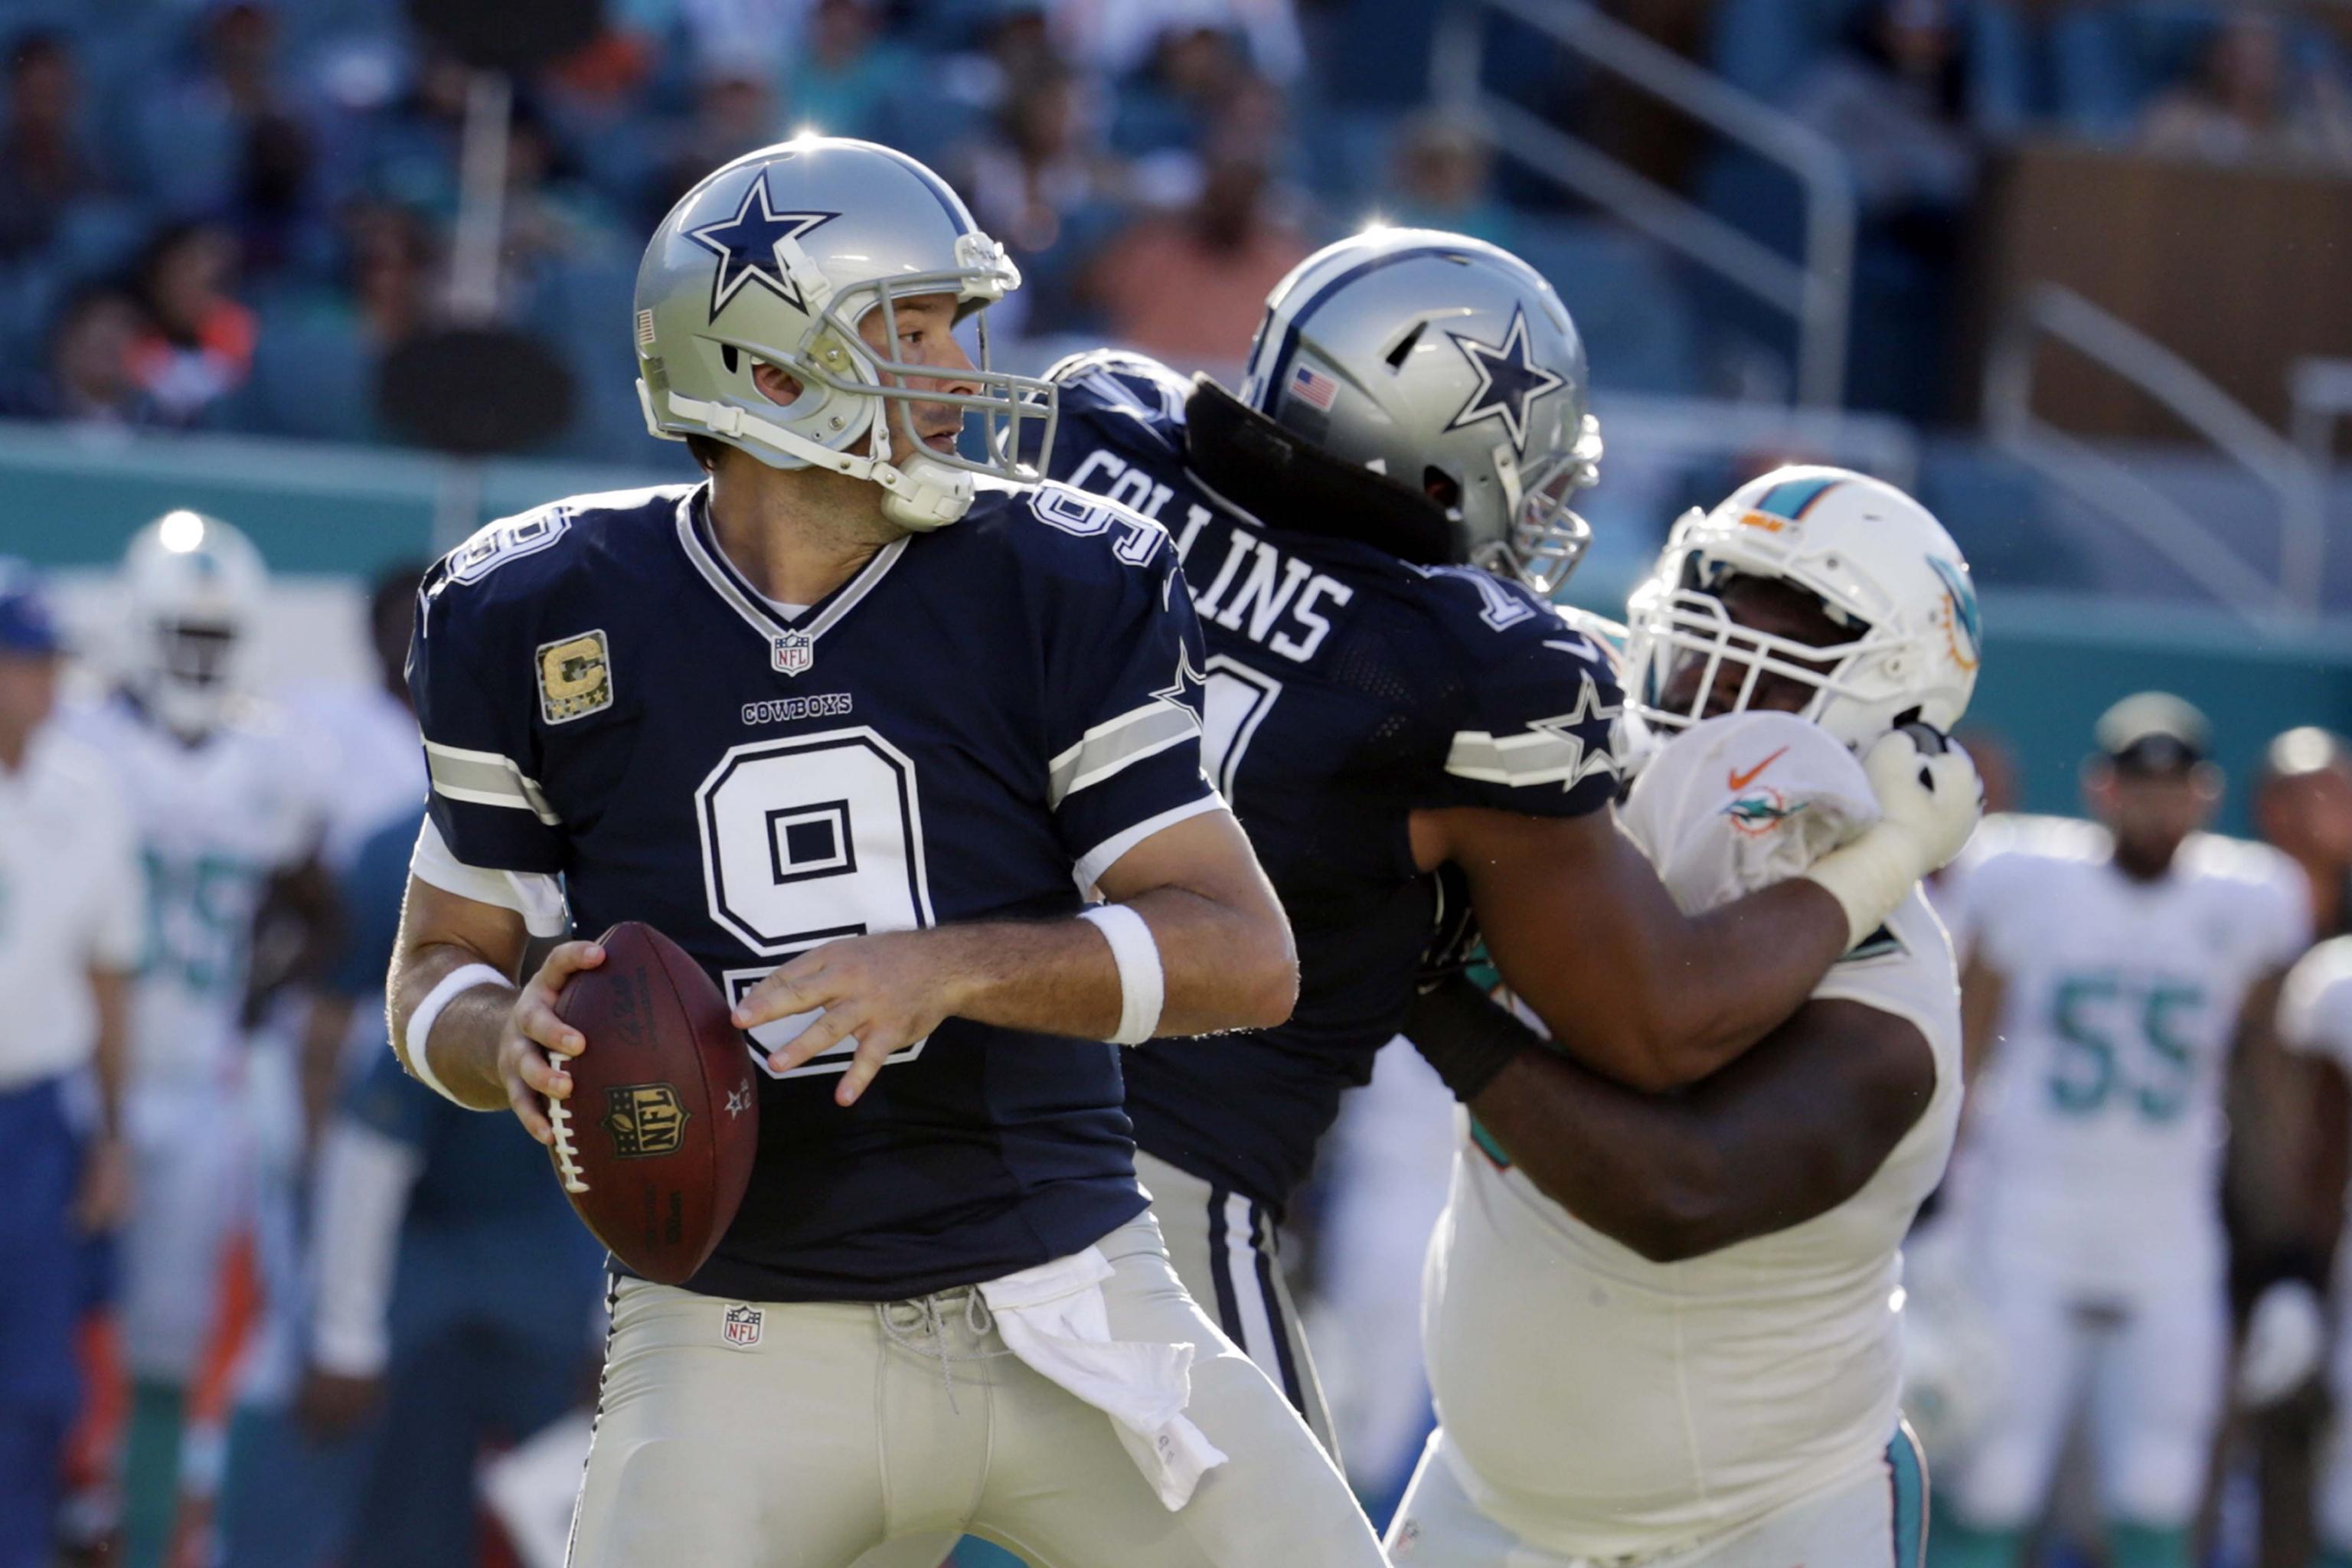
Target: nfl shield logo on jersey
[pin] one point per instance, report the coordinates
(792, 652)
(741, 1328)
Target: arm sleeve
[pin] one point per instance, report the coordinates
(468, 671)
(364, 1179)
(2288, 931)
(1538, 705)
(1123, 711)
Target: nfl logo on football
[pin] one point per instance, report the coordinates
(792, 652)
(741, 1327)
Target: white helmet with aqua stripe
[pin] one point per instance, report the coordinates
(1887, 576)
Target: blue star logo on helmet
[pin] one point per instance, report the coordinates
(1967, 623)
(1508, 380)
(750, 247)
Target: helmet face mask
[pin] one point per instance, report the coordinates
(730, 282)
(1883, 574)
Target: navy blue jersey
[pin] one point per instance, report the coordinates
(977, 722)
(1346, 689)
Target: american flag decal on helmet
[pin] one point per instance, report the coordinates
(1314, 388)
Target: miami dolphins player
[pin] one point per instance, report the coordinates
(2119, 965)
(1663, 1328)
(1372, 530)
(230, 808)
(854, 722)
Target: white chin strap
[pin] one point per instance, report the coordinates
(918, 494)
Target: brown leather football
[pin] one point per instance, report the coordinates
(654, 1146)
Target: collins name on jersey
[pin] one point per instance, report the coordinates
(1346, 689)
(978, 722)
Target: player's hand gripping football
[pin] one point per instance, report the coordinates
(1929, 799)
(884, 992)
(536, 1042)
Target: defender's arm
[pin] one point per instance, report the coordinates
(1580, 927)
(1789, 1131)
(1225, 959)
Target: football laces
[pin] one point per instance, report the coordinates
(567, 1153)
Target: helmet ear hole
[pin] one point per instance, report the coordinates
(1441, 486)
(730, 359)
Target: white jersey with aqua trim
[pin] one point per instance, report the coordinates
(215, 820)
(2094, 1151)
(1601, 1405)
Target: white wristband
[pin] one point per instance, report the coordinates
(1141, 985)
(454, 984)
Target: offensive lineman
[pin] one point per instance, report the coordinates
(1370, 530)
(229, 807)
(2115, 965)
(853, 727)
(1660, 1328)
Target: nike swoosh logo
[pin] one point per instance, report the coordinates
(1741, 781)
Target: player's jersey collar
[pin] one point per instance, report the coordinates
(702, 547)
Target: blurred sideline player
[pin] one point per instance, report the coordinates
(1663, 1328)
(2316, 1020)
(1370, 531)
(856, 725)
(70, 924)
(423, 1342)
(228, 805)
(2113, 968)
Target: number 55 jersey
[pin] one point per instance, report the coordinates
(2093, 1161)
(978, 722)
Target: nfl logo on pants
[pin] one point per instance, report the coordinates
(741, 1327)
(792, 652)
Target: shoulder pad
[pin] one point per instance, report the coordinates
(1738, 802)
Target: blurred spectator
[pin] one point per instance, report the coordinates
(1444, 179)
(1039, 184)
(197, 345)
(1894, 99)
(317, 353)
(552, 217)
(2247, 101)
(411, 153)
(195, 130)
(1174, 102)
(840, 79)
(1116, 38)
(45, 165)
(734, 112)
(1190, 286)
(88, 379)
(2303, 805)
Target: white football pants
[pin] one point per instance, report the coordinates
(191, 1174)
(2332, 1486)
(1875, 1519)
(2153, 1371)
(845, 1425)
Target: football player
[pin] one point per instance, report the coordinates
(229, 807)
(1372, 530)
(1663, 1327)
(2114, 963)
(2316, 1020)
(853, 723)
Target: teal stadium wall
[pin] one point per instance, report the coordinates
(2052, 661)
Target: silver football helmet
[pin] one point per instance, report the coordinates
(192, 587)
(1881, 565)
(1447, 365)
(776, 257)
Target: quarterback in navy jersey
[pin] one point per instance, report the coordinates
(862, 722)
(1372, 531)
